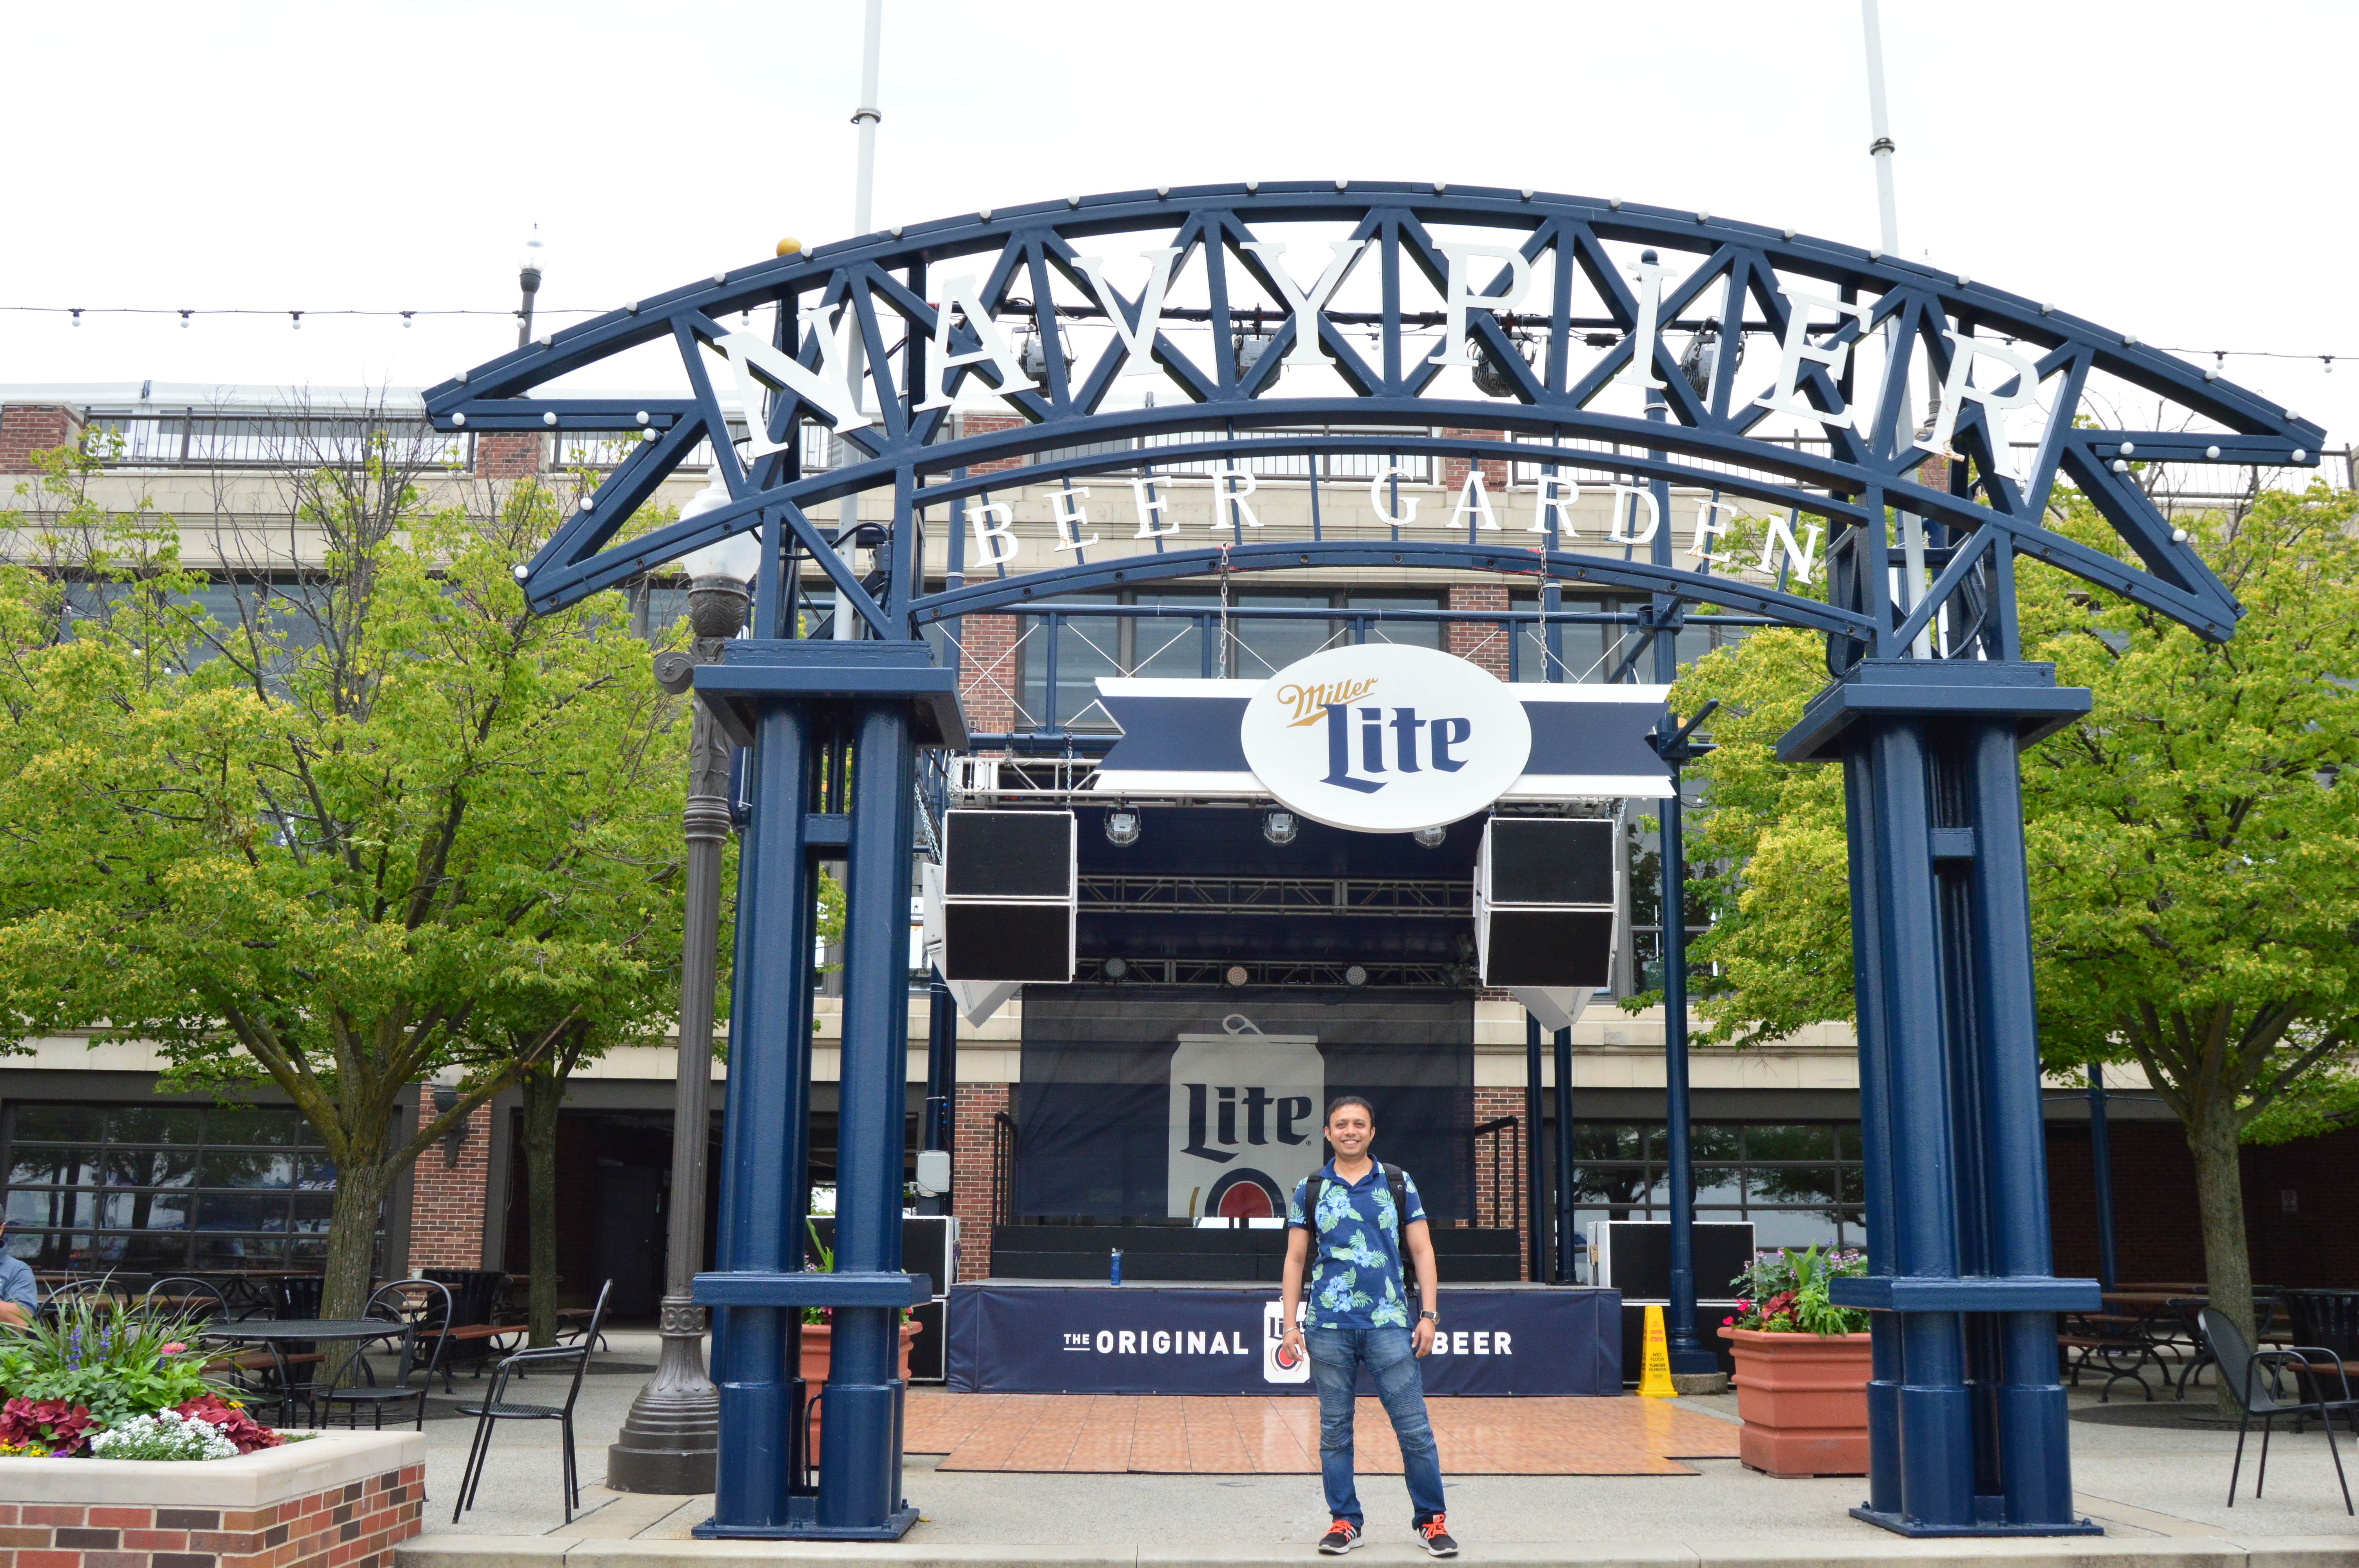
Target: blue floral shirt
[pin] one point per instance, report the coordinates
(1355, 1259)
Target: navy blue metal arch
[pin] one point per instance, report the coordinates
(882, 275)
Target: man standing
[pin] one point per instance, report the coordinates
(1356, 1212)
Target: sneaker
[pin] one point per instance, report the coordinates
(1340, 1537)
(1438, 1541)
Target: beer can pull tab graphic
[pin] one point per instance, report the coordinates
(1276, 1366)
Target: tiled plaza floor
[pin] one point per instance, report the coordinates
(1278, 1434)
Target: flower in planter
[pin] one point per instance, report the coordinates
(167, 1434)
(1784, 1292)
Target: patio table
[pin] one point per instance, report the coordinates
(281, 1335)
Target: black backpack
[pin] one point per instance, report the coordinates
(1394, 1178)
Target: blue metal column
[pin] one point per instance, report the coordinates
(1875, 1132)
(1937, 1479)
(1967, 1429)
(1686, 1352)
(860, 1460)
(2034, 1449)
(1567, 1192)
(1534, 1160)
(2100, 1156)
(763, 1134)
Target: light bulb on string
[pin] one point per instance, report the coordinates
(77, 318)
(298, 315)
(184, 319)
(406, 321)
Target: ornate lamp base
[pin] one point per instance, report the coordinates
(670, 1439)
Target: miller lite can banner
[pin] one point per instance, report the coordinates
(1006, 1338)
(1276, 1366)
(1179, 1103)
(1244, 1123)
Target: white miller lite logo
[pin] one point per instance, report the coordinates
(1383, 738)
(1275, 1367)
(1244, 1118)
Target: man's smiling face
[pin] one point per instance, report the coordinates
(1349, 1130)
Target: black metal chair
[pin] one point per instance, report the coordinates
(2241, 1366)
(477, 1296)
(67, 1294)
(497, 1408)
(419, 1306)
(185, 1295)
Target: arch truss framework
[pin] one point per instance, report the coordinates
(1809, 369)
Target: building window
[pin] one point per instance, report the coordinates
(1184, 640)
(153, 1189)
(1798, 1182)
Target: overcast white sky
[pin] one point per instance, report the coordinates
(2165, 168)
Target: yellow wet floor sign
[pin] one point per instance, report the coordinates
(1655, 1372)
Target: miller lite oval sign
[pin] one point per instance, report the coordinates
(1385, 738)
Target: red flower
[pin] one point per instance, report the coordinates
(54, 1424)
(232, 1422)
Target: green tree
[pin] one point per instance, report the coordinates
(352, 832)
(2193, 844)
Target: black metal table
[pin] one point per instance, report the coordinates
(278, 1334)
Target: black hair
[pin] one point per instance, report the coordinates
(1340, 1101)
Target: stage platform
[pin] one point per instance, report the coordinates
(1055, 1336)
(1270, 1435)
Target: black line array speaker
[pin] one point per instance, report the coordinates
(1011, 885)
(1544, 901)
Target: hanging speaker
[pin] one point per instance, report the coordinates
(1011, 885)
(1544, 902)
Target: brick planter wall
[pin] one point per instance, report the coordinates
(245, 1512)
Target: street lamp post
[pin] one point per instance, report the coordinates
(528, 279)
(670, 1438)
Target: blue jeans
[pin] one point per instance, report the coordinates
(1336, 1357)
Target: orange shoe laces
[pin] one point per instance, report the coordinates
(1432, 1527)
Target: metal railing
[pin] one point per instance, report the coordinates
(1506, 1209)
(199, 437)
(1003, 1168)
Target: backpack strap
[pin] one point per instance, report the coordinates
(1310, 1187)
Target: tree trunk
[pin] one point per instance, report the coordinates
(2211, 1139)
(544, 1092)
(352, 1223)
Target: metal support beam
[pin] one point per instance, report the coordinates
(1967, 1432)
(860, 1463)
(763, 1139)
(1566, 1190)
(2100, 1156)
(1536, 1220)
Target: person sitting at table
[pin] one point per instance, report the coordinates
(19, 1296)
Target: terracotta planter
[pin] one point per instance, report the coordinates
(819, 1340)
(1804, 1400)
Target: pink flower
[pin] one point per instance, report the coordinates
(174, 1348)
(1728, 1322)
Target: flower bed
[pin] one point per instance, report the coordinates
(344, 1499)
(125, 1385)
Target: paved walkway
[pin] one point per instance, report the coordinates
(2156, 1482)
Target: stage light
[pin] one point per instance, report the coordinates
(1122, 828)
(1280, 827)
(1115, 968)
(1356, 976)
(1237, 975)
(1431, 837)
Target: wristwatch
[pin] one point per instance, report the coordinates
(1432, 1317)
